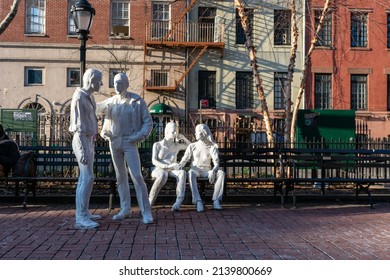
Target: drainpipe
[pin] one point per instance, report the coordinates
(186, 58)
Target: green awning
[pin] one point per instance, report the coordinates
(161, 109)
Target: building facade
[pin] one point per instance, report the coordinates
(350, 67)
(188, 54)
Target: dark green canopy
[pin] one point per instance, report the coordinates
(161, 109)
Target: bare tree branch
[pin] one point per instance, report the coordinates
(304, 70)
(11, 15)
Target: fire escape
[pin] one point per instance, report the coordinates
(172, 48)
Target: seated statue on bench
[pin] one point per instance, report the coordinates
(164, 158)
(202, 153)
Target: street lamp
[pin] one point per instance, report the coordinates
(83, 13)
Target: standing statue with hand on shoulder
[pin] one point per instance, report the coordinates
(202, 153)
(84, 126)
(127, 123)
(164, 158)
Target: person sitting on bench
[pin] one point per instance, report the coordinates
(203, 152)
(9, 153)
(164, 158)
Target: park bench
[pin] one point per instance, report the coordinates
(57, 164)
(359, 168)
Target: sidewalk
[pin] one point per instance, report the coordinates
(319, 231)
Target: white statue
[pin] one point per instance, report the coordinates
(127, 123)
(164, 158)
(202, 153)
(84, 126)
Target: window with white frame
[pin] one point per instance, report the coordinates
(112, 74)
(282, 27)
(359, 31)
(161, 19)
(322, 91)
(280, 85)
(120, 15)
(159, 78)
(359, 92)
(35, 16)
(33, 76)
(73, 77)
(324, 37)
(71, 25)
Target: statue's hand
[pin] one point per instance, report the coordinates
(83, 159)
(211, 176)
(174, 166)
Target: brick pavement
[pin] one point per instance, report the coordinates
(321, 231)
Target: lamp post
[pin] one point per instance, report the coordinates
(83, 14)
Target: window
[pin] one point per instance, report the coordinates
(206, 20)
(159, 78)
(71, 25)
(33, 76)
(359, 92)
(244, 90)
(359, 29)
(35, 16)
(119, 18)
(280, 84)
(160, 17)
(207, 87)
(282, 25)
(73, 77)
(322, 91)
(324, 37)
(240, 34)
(112, 74)
(388, 30)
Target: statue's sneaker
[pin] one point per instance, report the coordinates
(199, 206)
(217, 205)
(95, 216)
(123, 214)
(176, 207)
(85, 223)
(147, 219)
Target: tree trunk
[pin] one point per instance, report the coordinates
(304, 71)
(290, 75)
(253, 60)
(11, 15)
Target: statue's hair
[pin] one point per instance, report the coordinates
(122, 76)
(206, 130)
(89, 75)
(170, 124)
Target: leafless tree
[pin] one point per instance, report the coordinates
(10, 16)
(253, 60)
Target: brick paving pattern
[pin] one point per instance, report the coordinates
(239, 232)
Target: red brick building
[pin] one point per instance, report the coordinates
(350, 67)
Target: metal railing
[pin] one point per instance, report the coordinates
(161, 31)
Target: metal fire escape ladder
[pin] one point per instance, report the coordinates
(171, 40)
(191, 65)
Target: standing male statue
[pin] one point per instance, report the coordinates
(164, 158)
(202, 153)
(84, 126)
(127, 123)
